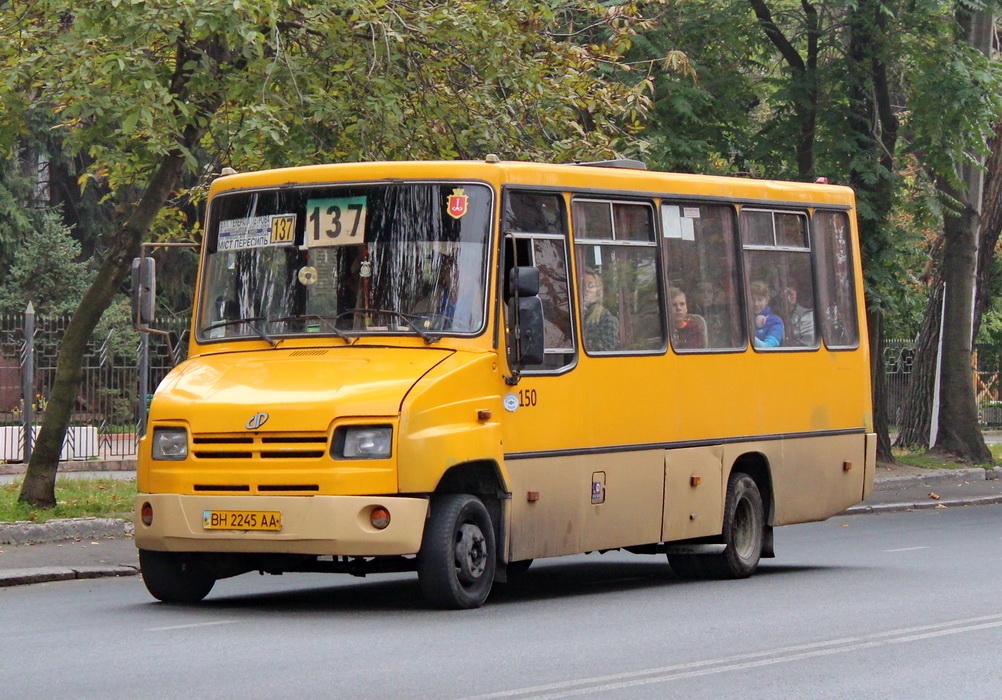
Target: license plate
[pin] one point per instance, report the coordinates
(242, 520)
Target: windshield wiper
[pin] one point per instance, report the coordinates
(428, 338)
(249, 320)
(327, 320)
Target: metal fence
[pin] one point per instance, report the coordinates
(107, 411)
(899, 356)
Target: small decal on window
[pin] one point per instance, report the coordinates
(307, 275)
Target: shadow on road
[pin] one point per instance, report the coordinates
(546, 581)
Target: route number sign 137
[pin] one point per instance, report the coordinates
(335, 221)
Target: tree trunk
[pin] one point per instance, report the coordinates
(39, 484)
(874, 132)
(40, 479)
(916, 415)
(991, 224)
(959, 432)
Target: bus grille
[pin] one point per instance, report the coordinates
(264, 447)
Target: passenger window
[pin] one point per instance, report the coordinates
(779, 283)
(701, 252)
(837, 308)
(617, 276)
(535, 234)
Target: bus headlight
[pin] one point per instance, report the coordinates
(363, 442)
(170, 443)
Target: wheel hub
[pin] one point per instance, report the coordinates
(471, 552)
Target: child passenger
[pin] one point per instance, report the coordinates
(768, 326)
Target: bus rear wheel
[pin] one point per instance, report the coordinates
(744, 530)
(458, 555)
(175, 577)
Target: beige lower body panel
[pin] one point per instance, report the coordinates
(813, 478)
(335, 525)
(653, 496)
(565, 520)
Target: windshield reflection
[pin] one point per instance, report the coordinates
(347, 261)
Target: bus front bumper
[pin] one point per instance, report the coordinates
(321, 525)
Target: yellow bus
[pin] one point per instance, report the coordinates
(456, 368)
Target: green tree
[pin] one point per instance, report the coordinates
(45, 270)
(151, 90)
(956, 101)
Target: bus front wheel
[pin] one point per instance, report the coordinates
(458, 555)
(744, 530)
(175, 577)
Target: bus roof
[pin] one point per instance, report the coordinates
(579, 178)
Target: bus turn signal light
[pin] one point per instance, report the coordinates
(380, 518)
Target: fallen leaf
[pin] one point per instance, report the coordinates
(940, 505)
(934, 496)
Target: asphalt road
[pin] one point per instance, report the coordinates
(897, 605)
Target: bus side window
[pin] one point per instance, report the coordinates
(618, 277)
(836, 295)
(700, 246)
(535, 235)
(780, 286)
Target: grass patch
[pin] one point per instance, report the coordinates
(927, 460)
(75, 498)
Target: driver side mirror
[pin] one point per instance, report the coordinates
(144, 291)
(525, 311)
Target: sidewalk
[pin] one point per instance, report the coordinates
(91, 547)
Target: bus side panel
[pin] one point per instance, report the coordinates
(816, 478)
(565, 520)
(693, 503)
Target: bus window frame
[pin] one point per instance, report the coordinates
(502, 268)
(738, 278)
(852, 277)
(659, 265)
(806, 214)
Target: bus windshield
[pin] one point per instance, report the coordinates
(347, 261)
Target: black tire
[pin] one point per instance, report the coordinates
(458, 554)
(175, 577)
(744, 531)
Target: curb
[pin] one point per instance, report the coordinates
(98, 465)
(922, 505)
(25, 532)
(974, 473)
(44, 574)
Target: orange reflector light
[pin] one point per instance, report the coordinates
(380, 518)
(695, 480)
(484, 415)
(846, 466)
(533, 496)
(146, 513)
